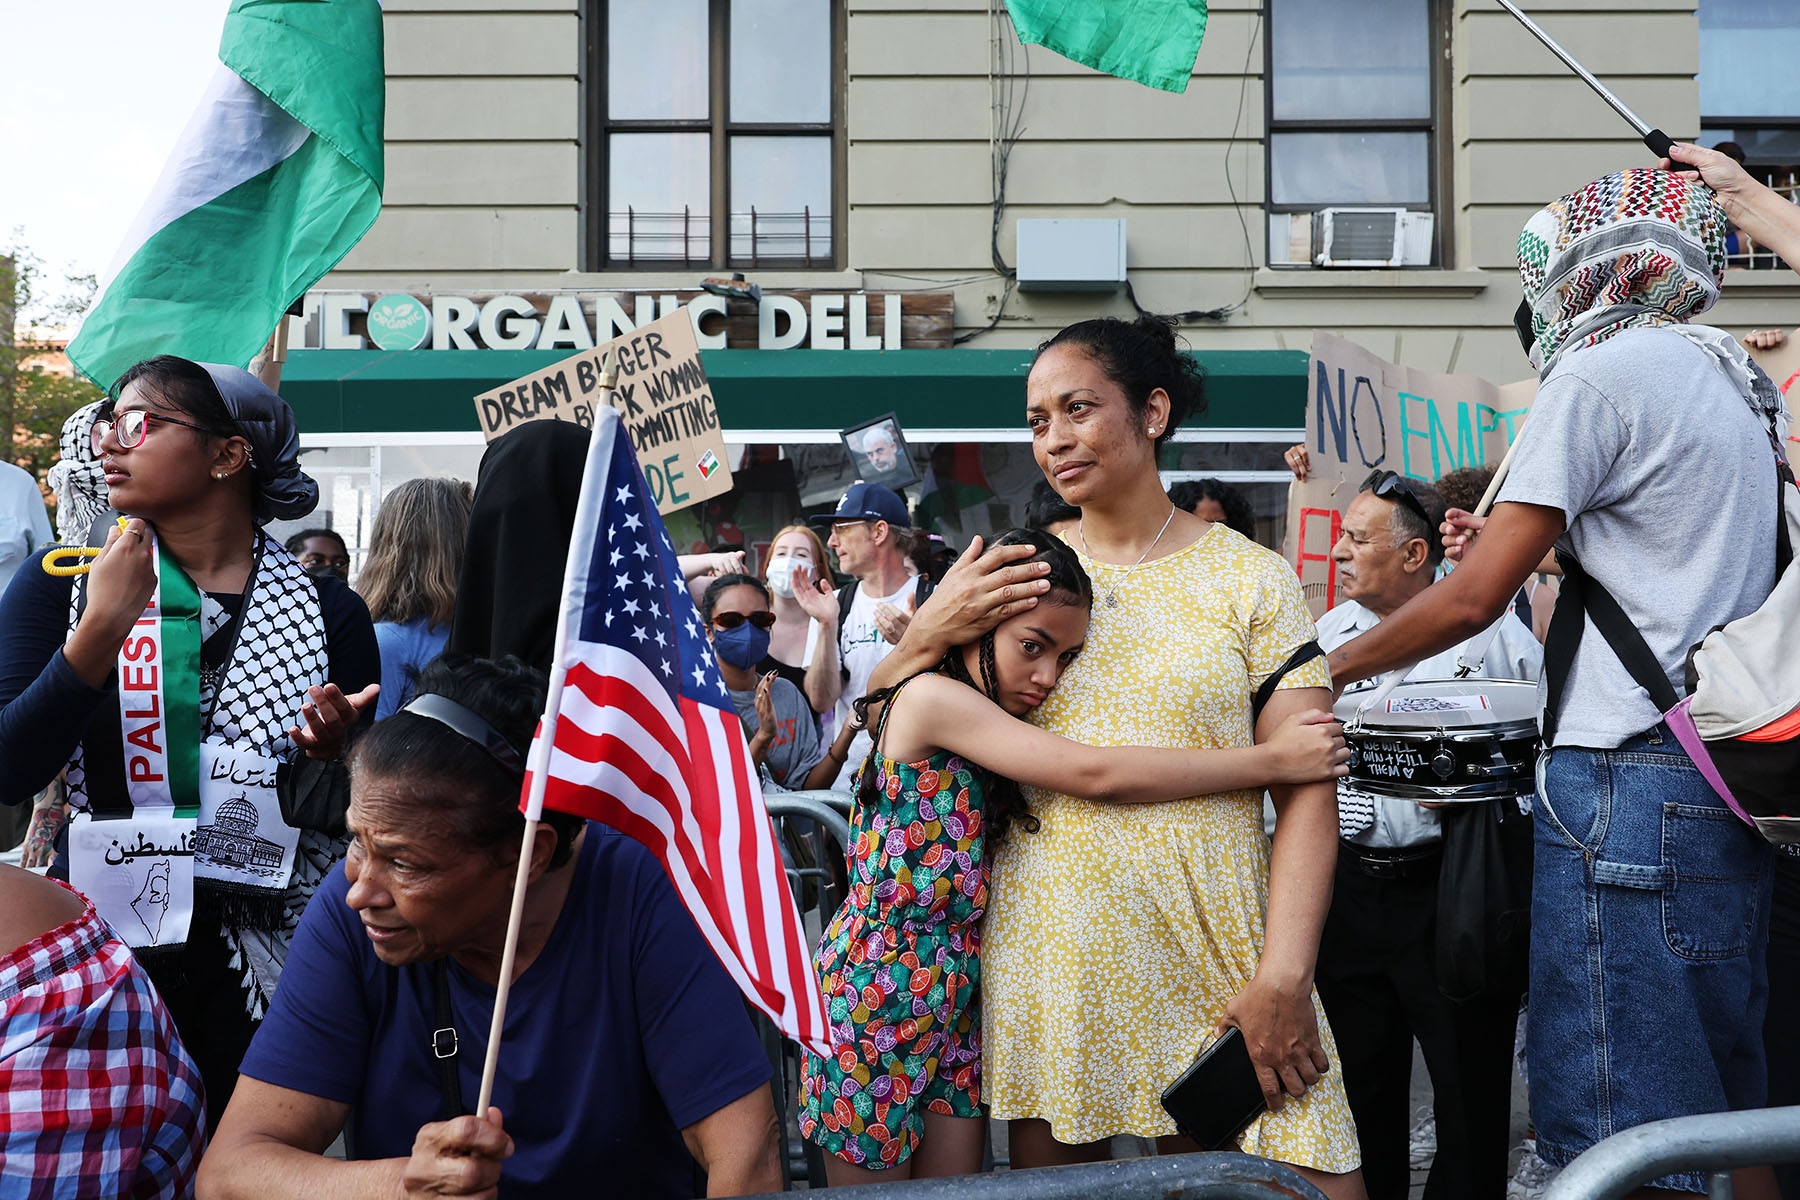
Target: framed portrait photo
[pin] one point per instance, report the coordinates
(877, 450)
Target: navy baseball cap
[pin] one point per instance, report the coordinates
(867, 502)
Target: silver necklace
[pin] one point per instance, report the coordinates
(1112, 592)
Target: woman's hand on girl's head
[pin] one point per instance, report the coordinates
(1307, 747)
(980, 590)
(329, 716)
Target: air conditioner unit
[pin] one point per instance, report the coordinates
(1373, 237)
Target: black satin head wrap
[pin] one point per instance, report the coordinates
(283, 490)
(519, 533)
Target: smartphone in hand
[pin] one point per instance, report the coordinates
(1217, 1097)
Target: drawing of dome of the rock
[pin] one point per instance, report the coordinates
(232, 840)
(238, 816)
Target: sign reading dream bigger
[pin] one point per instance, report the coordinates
(1364, 414)
(662, 395)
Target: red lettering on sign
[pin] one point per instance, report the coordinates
(1302, 557)
(139, 770)
(138, 679)
(136, 648)
(145, 736)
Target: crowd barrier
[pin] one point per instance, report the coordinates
(1714, 1142)
(1166, 1177)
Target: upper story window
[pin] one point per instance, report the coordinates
(1750, 96)
(1353, 121)
(713, 129)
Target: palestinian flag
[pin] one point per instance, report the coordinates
(1153, 42)
(277, 175)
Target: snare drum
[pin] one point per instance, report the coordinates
(1444, 740)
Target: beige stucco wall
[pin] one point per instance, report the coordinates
(484, 161)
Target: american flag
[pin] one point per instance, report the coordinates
(642, 736)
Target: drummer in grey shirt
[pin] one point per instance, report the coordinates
(1377, 957)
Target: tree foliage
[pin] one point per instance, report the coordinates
(35, 400)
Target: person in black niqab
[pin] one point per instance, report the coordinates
(520, 528)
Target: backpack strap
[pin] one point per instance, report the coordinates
(444, 1046)
(846, 597)
(1299, 658)
(1581, 599)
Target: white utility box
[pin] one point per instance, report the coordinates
(1071, 256)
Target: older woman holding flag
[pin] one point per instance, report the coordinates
(169, 687)
(627, 1048)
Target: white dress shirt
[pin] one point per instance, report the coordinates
(1513, 654)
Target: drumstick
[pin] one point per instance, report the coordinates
(1493, 487)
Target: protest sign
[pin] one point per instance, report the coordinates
(662, 395)
(1363, 414)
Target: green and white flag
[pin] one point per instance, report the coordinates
(1153, 42)
(277, 175)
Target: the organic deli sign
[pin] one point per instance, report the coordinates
(333, 320)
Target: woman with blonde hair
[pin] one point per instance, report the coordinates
(803, 645)
(409, 581)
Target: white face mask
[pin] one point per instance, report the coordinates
(781, 574)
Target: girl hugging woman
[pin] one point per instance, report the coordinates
(901, 961)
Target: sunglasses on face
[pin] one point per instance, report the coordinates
(130, 428)
(731, 620)
(1389, 485)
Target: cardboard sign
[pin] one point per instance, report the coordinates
(1364, 414)
(662, 395)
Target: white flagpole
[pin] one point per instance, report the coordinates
(539, 765)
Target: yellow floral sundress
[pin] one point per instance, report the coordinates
(1117, 934)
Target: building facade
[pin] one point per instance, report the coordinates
(557, 167)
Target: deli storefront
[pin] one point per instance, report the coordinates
(384, 386)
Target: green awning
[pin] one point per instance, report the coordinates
(416, 391)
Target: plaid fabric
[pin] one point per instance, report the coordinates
(97, 1096)
(1631, 250)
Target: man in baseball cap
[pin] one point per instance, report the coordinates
(872, 612)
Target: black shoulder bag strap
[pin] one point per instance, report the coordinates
(1581, 599)
(1299, 658)
(444, 1045)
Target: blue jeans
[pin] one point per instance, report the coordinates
(1649, 912)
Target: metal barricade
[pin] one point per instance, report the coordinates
(1713, 1142)
(814, 834)
(1169, 1177)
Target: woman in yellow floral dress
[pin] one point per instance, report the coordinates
(1121, 940)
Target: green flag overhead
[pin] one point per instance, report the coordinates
(1153, 42)
(277, 175)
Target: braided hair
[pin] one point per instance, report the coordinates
(1069, 584)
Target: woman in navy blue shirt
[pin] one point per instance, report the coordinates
(627, 1047)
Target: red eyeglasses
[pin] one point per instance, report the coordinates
(132, 425)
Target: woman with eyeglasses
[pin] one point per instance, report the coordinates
(175, 682)
(783, 736)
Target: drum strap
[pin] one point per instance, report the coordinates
(1580, 600)
(1299, 658)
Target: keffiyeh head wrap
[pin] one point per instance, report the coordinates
(77, 479)
(1630, 250)
(1638, 249)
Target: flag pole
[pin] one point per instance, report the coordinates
(539, 765)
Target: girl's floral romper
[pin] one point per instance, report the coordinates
(900, 964)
